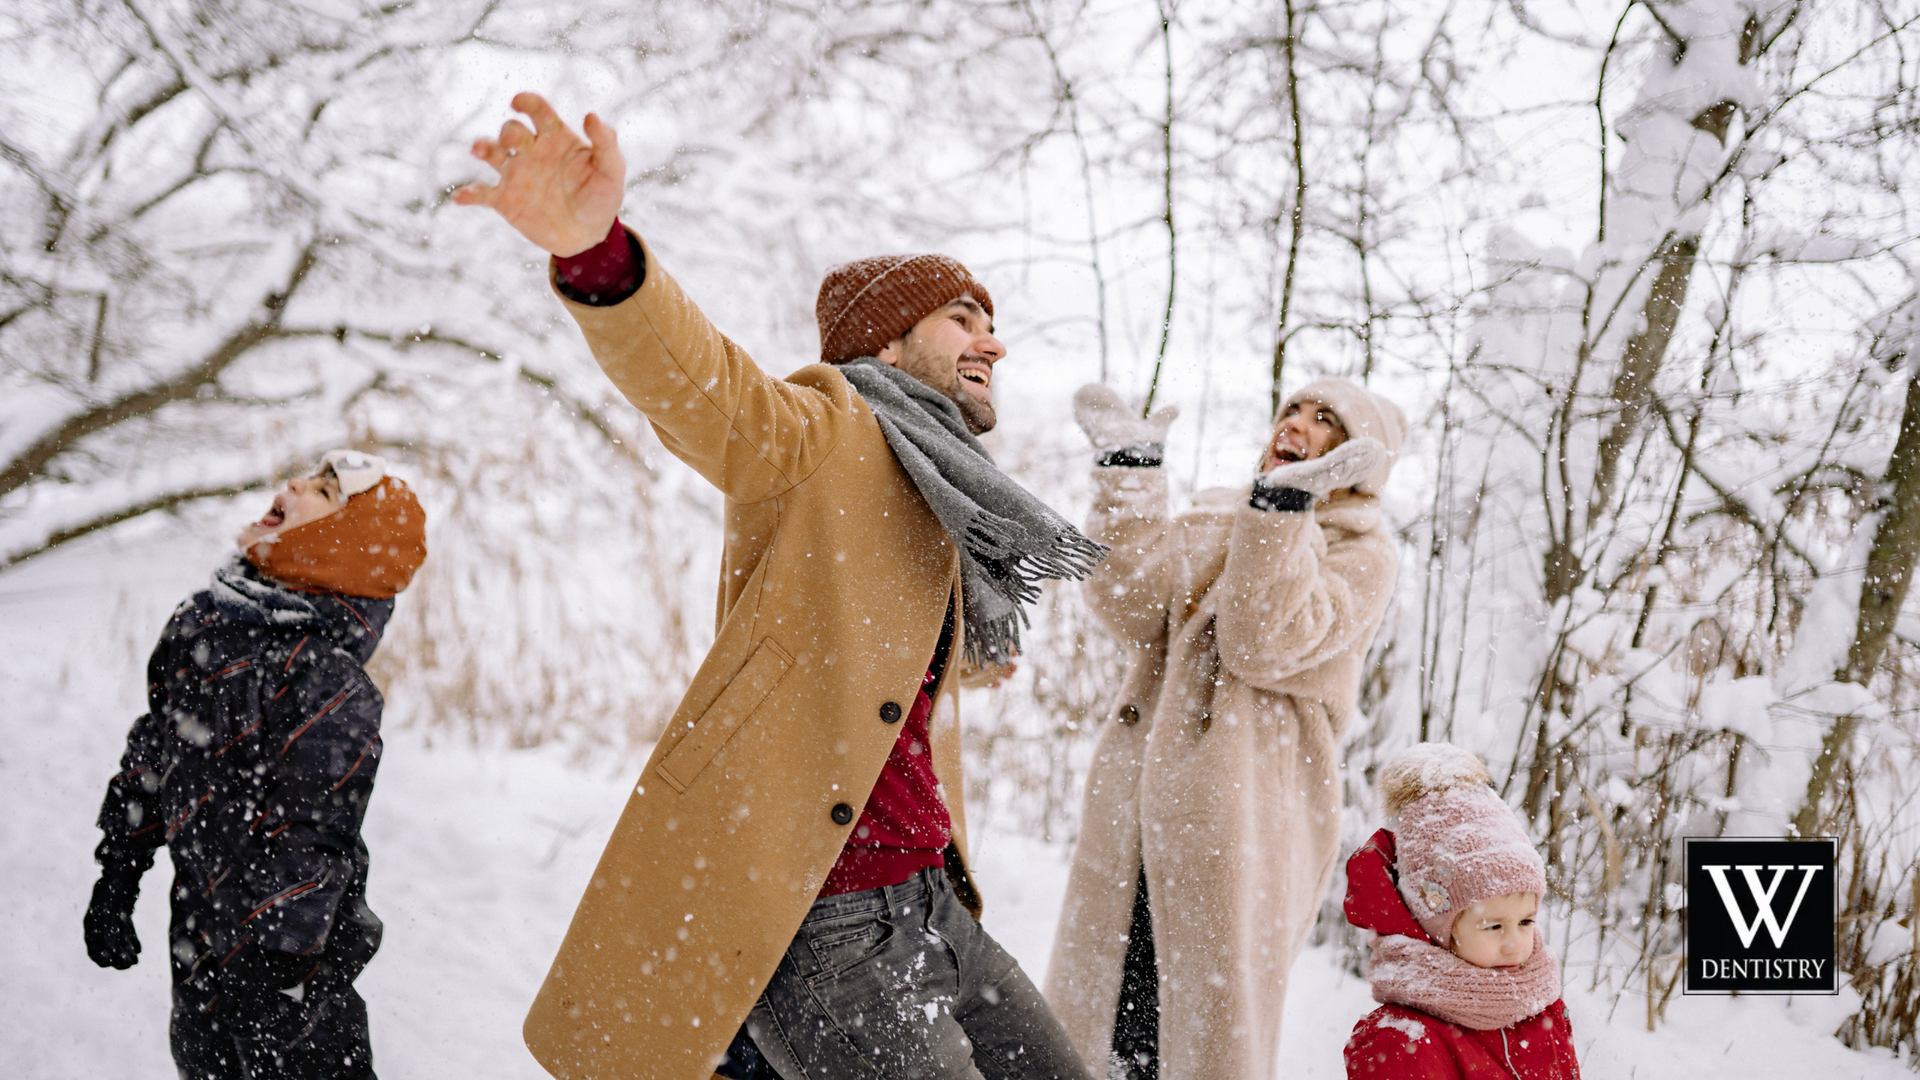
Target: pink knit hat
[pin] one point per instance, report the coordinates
(1458, 843)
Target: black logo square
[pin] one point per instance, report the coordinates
(1760, 915)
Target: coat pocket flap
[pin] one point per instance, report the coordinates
(744, 693)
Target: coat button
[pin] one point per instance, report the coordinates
(1129, 714)
(842, 813)
(890, 713)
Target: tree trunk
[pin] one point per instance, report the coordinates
(1296, 216)
(1883, 590)
(1632, 390)
(1633, 386)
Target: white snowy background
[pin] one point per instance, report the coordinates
(1643, 276)
(480, 854)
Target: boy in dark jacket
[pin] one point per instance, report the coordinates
(253, 766)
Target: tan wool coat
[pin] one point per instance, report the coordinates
(1245, 631)
(834, 585)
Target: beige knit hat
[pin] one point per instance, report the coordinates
(1362, 413)
(868, 303)
(1458, 842)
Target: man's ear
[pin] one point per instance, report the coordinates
(891, 352)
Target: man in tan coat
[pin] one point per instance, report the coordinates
(1213, 801)
(786, 892)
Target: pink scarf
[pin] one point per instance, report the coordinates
(1426, 977)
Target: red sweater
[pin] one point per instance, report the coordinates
(904, 828)
(1395, 1042)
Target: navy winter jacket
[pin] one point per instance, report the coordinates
(254, 763)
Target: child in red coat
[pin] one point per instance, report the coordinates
(1467, 987)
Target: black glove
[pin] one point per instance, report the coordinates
(111, 941)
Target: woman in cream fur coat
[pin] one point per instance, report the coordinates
(1212, 808)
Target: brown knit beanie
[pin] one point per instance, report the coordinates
(867, 303)
(369, 547)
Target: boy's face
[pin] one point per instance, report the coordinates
(306, 498)
(1497, 932)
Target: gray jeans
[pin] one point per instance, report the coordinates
(902, 983)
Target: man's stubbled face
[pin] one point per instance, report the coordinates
(953, 350)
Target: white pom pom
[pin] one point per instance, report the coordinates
(1427, 768)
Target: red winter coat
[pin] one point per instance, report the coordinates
(1402, 1043)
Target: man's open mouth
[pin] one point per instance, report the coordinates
(979, 376)
(273, 517)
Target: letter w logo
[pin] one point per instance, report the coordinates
(1763, 899)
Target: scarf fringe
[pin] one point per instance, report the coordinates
(1064, 556)
(1009, 541)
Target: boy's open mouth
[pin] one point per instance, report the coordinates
(274, 515)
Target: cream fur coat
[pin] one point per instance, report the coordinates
(1246, 632)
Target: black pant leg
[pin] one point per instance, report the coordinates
(323, 1037)
(221, 1031)
(202, 1043)
(744, 1060)
(200, 1037)
(1136, 1021)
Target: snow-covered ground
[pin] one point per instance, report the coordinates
(479, 855)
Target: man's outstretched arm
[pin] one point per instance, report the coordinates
(752, 436)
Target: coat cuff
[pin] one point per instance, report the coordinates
(1143, 456)
(1282, 499)
(122, 861)
(605, 274)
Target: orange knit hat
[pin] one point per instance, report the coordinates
(867, 303)
(369, 547)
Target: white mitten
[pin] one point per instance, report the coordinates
(1111, 425)
(1341, 467)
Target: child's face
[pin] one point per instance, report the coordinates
(1498, 931)
(306, 498)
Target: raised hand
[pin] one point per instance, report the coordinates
(556, 189)
(1111, 424)
(1341, 467)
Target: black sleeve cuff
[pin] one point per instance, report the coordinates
(1146, 457)
(123, 861)
(1286, 499)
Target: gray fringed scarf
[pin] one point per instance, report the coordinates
(1008, 539)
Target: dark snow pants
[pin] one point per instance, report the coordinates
(1136, 1020)
(228, 1025)
(901, 983)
